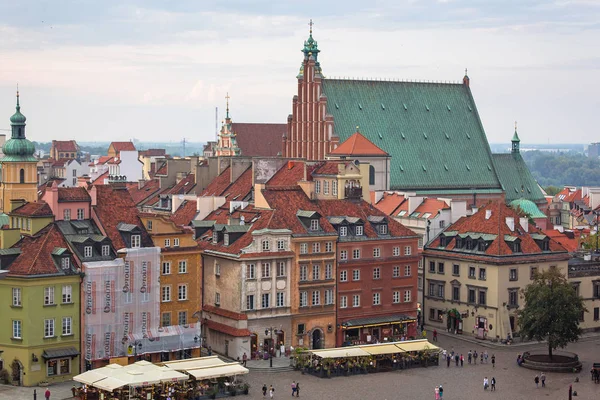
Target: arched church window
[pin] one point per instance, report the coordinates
(371, 175)
(22, 176)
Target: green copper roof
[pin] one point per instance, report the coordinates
(516, 178)
(515, 137)
(528, 207)
(18, 148)
(431, 130)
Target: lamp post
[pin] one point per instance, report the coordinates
(267, 332)
(135, 345)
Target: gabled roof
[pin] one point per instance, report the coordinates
(148, 189)
(123, 146)
(516, 179)
(185, 213)
(404, 118)
(65, 145)
(358, 146)
(184, 186)
(238, 190)
(73, 194)
(291, 173)
(163, 169)
(329, 167)
(34, 209)
(259, 140)
(389, 203)
(153, 153)
(429, 206)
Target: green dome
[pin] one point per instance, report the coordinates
(18, 118)
(18, 147)
(528, 207)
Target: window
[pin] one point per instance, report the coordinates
(442, 223)
(166, 319)
(432, 289)
(166, 268)
(176, 242)
(301, 329)
(376, 252)
(49, 296)
(218, 269)
(328, 296)
(533, 272)
(472, 296)
(136, 241)
(314, 224)
(432, 313)
(513, 297)
(87, 251)
(316, 247)
(67, 293)
(407, 270)
(250, 302)
(250, 271)
(596, 313)
(226, 239)
(280, 244)
(182, 292)
(360, 231)
(334, 188)
(316, 273)
(67, 214)
(281, 269)
(407, 250)
(432, 267)
(440, 268)
(596, 290)
(167, 242)
(16, 297)
(105, 250)
(183, 267)
(67, 326)
(482, 297)
(371, 175)
(328, 247)
(356, 254)
(343, 231)
(217, 298)
(513, 275)
(582, 316)
(356, 274)
(482, 274)
(420, 243)
(383, 229)
(396, 271)
(325, 187)
(316, 297)
(376, 273)
(21, 173)
(303, 299)
(303, 248)
(266, 270)
(376, 299)
(407, 296)
(303, 273)
(81, 215)
(472, 272)
(343, 302)
(182, 318)
(576, 287)
(328, 271)
(16, 326)
(215, 238)
(396, 297)
(266, 245)
(280, 299)
(343, 254)
(49, 328)
(440, 292)
(396, 251)
(343, 276)
(356, 300)
(266, 300)
(317, 187)
(456, 293)
(456, 270)
(166, 294)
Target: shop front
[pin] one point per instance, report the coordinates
(389, 328)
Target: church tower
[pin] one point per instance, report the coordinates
(227, 142)
(515, 141)
(18, 179)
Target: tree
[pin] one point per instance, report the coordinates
(589, 242)
(552, 310)
(552, 190)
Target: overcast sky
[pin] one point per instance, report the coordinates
(156, 70)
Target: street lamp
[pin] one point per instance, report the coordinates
(269, 331)
(136, 344)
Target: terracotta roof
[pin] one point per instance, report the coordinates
(329, 168)
(225, 313)
(226, 329)
(185, 213)
(102, 160)
(123, 146)
(70, 194)
(115, 206)
(218, 184)
(221, 185)
(390, 202)
(163, 169)
(570, 240)
(430, 206)
(358, 145)
(100, 180)
(153, 153)
(61, 162)
(36, 253)
(259, 140)
(65, 145)
(291, 173)
(149, 188)
(35, 209)
(184, 186)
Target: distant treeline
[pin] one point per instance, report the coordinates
(560, 169)
(100, 148)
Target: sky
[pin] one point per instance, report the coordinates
(155, 70)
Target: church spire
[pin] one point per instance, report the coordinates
(515, 141)
(227, 99)
(310, 45)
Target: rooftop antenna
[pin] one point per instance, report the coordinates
(183, 143)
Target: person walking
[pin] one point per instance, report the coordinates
(493, 388)
(297, 389)
(293, 388)
(475, 357)
(485, 356)
(264, 389)
(456, 359)
(244, 359)
(469, 356)
(437, 393)
(481, 358)
(462, 360)
(543, 378)
(448, 361)
(435, 335)
(485, 383)
(209, 351)
(271, 391)
(493, 361)
(441, 392)
(537, 381)
(47, 394)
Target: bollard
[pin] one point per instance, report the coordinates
(34, 394)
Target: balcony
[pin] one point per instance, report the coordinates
(353, 193)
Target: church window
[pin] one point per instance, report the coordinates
(22, 176)
(371, 175)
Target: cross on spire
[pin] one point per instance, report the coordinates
(515, 126)
(227, 98)
(17, 95)
(311, 23)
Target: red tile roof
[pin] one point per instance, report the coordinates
(431, 206)
(102, 160)
(123, 146)
(36, 253)
(225, 313)
(358, 145)
(61, 162)
(35, 209)
(163, 169)
(65, 145)
(100, 180)
(329, 168)
(71, 194)
(259, 140)
(570, 240)
(149, 188)
(153, 152)
(291, 173)
(226, 329)
(185, 213)
(184, 186)
(114, 206)
(390, 202)
(221, 185)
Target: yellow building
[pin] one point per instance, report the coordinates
(18, 178)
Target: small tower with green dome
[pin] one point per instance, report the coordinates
(515, 141)
(18, 179)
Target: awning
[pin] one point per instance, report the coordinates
(416, 345)
(194, 363)
(109, 384)
(60, 353)
(340, 352)
(377, 321)
(218, 371)
(385, 348)
(89, 377)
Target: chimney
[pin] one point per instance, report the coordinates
(290, 164)
(488, 214)
(141, 183)
(93, 195)
(524, 224)
(510, 222)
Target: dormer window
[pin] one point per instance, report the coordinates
(65, 263)
(215, 238)
(469, 244)
(343, 230)
(226, 239)
(87, 251)
(443, 241)
(314, 224)
(481, 245)
(383, 229)
(136, 241)
(459, 243)
(516, 247)
(359, 230)
(105, 250)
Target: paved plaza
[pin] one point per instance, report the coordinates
(464, 383)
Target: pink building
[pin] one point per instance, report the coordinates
(68, 203)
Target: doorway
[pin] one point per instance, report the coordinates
(227, 348)
(317, 339)
(280, 338)
(253, 345)
(512, 323)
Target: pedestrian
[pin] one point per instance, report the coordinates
(437, 393)
(271, 391)
(485, 383)
(441, 392)
(264, 389)
(297, 389)
(469, 356)
(537, 381)
(485, 356)
(293, 388)
(493, 361)
(456, 358)
(435, 335)
(244, 359)
(448, 361)
(424, 334)
(444, 354)
(475, 357)
(282, 350)
(493, 384)
(47, 394)
(452, 352)
(481, 358)
(209, 350)
(543, 378)
(462, 360)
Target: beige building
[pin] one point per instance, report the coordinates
(584, 275)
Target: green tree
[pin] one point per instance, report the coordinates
(552, 190)
(552, 310)
(589, 242)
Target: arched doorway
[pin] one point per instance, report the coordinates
(317, 339)
(17, 372)
(253, 345)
